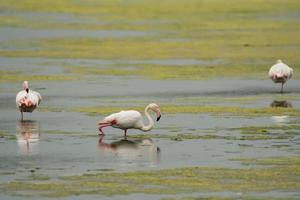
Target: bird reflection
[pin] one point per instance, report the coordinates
(137, 149)
(282, 104)
(28, 136)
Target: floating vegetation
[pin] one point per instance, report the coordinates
(6, 76)
(268, 129)
(238, 196)
(162, 72)
(219, 110)
(39, 177)
(7, 136)
(282, 174)
(188, 136)
(241, 35)
(273, 161)
(140, 49)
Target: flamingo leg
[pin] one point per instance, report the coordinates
(27, 145)
(281, 91)
(100, 129)
(125, 133)
(100, 141)
(21, 116)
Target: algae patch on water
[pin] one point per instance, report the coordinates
(248, 37)
(165, 72)
(6, 76)
(272, 161)
(217, 110)
(4, 135)
(278, 176)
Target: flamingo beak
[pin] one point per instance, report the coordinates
(27, 90)
(158, 116)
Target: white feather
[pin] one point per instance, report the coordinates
(281, 69)
(130, 119)
(32, 96)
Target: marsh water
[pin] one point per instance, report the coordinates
(60, 138)
(61, 143)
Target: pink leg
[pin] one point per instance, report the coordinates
(21, 116)
(101, 132)
(125, 133)
(101, 138)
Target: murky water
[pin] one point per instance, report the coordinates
(66, 143)
(50, 140)
(56, 141)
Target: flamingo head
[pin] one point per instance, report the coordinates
(25, 86)
(155, 108)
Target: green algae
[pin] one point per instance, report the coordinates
(239, 196)
(189, 136)
(246, 37)
(6, 76)
(272, 161)
(60, 132)
(7, 136)
(88, 48)
(39, 177)
(269, 129)
(7, 173)
(163, 72)
(191, 109)
(279, 174)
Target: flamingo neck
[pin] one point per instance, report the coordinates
(150, 124)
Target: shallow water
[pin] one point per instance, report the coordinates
(23, 34)
(70, 139)
(56, 141)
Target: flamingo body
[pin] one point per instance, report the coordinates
(27, 100)
(125, 119)
(280, 73)
(130, 119)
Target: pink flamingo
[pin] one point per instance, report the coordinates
(280, 73)
(27, 100)
(130, 119)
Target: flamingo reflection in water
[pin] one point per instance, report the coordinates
(28, 136)
(281, 104)
(134, 149)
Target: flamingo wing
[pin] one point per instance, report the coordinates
(27, 102)
(291, 72)
(282, 70)
(38, 96)
(34, 97)
(123, 119)
(129, 119)
(21, 95)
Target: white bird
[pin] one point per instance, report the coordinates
(130, 119)
(27, 100)
(280, 73)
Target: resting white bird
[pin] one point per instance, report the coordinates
(280, 73)
(27, 100)
(130, 119)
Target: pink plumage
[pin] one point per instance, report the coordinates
(27, 100)
(280, 73)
